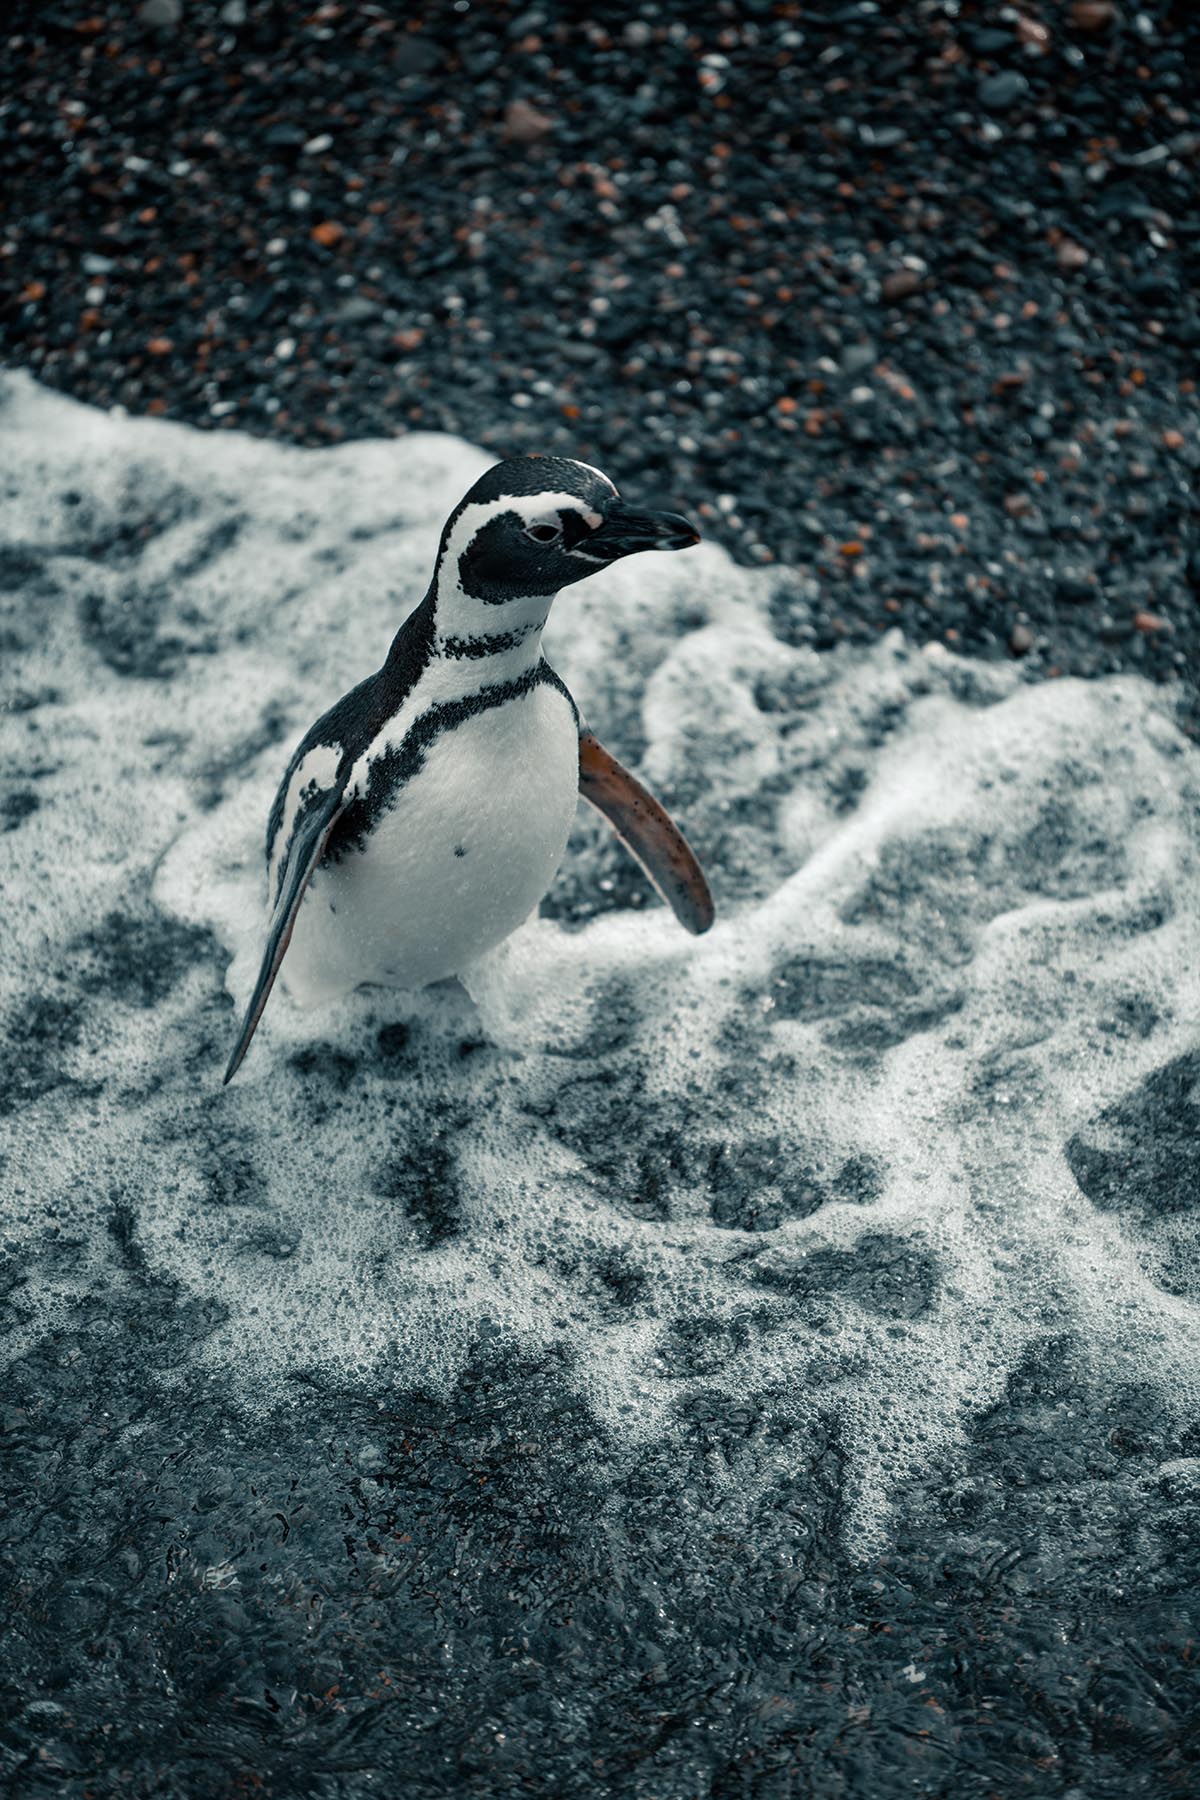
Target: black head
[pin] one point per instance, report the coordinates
(535, 524)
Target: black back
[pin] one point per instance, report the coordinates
(359, 716)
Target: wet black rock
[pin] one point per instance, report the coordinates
(1000, 92)
(41, 1037)
(891, 1277)
(1143, 1164)
(16, 807)
(422, 1179)
(137, 957)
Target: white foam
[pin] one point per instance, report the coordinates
(958, 919)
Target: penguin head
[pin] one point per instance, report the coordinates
(535, 524)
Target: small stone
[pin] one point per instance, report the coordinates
(161, 15)
(1075, 584)
(283, 136)
(524, 124)
(91, 264)
(1173, 439)
(1032, 33)
(1071, 256)
(357, 310)
(1093, 15)
(1149, 622)
(900, 284)
(1155, 284)
(999, 92)
(328, 233)
(1020, 640)
(857, 357)
(881, 137)
(160, 346)
(416, 56)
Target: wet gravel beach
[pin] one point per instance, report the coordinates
(901, 295)
(903, 302)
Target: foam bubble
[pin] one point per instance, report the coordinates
(854, 1154)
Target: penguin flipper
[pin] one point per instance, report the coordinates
(309, 841)
(647, 832)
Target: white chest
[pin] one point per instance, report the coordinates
(462, 857)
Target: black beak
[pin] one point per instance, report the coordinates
(625, 531)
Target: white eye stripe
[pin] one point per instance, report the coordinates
(463, 614)
(531, 509)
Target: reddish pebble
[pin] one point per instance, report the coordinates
(900, 284)
(1148, 621)
(329, 233)
(1092, 15)
(1032, 32)
(524, 124)
(160, 346)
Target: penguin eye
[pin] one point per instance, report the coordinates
(543, 534)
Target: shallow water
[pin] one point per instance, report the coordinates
(766, 1365)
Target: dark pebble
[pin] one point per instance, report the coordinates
(162, 15)
(417, 56)
(999, 92)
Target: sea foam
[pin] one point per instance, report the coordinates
(854, 1155)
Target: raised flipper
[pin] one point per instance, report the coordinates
(305, 850)
(647, 832)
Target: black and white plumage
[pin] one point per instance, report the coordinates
(422, 818)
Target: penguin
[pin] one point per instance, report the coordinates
(422, 818)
